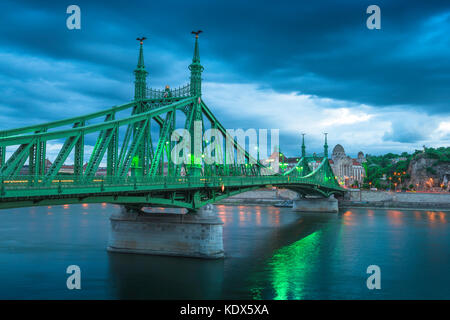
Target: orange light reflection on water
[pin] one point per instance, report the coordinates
(221, 212)
(258, 216)
(431, 216)
(395, 217)
(348, 218)
(417, 215)
(442, 217)
(274, 214)
(241, 216)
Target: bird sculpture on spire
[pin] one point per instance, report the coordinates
(197, 33)
(141, 40)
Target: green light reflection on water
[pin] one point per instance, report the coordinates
(290, 267)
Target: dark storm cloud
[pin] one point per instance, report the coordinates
(320, 48)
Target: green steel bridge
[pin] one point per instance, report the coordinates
(139, 172)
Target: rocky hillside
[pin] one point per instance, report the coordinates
(424, 169)
(428, 169)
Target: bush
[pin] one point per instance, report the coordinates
(431, 170)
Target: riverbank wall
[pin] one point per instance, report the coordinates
(352, 199)
(403, 200)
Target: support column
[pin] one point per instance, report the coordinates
(316, 205)
(196, 234)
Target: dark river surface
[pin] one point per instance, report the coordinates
(271, 253)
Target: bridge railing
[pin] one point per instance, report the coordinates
(180, 92)
(104, 182)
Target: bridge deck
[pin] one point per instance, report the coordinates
(25, 191)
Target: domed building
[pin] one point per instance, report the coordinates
(361, 158)
(338, 152)
(346, 169)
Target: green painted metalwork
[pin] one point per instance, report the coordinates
(135, 170)
(140, 84)
(164, 137)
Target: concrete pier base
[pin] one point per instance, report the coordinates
(197, 234)
(316, 205)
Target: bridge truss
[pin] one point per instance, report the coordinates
(134, 142)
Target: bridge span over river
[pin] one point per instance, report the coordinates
(136, 176)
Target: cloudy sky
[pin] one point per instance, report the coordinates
(300, 66)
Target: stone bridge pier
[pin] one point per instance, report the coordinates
(310, 204)
(195, 234)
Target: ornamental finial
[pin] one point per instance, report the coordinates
(196, 33)
(141, 40)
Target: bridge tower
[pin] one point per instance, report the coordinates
(140, 82)
(303, 146)
(140, 88)
(195, 167)
(325, 146)
(196, 69)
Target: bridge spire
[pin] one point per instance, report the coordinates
(303, 146)
(196, 68)
(140, 83)
(325, 146)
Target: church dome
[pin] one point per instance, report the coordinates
(360, 155)
(338, 151)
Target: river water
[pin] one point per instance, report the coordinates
(272, 253)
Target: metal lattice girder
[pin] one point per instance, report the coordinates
(149, 153)
(42, 155)
(323, 175)
(32, 159)
(99, 151)
(2, 156)
(36, 162)
(126, 141)
(189, 111)
(61, 157)
(300, 169)
(79, 152)
(164, 136)
(210, 116)
(133, 150)
(17, 160)
(61, 123)
(112, 153)
(15, 140)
